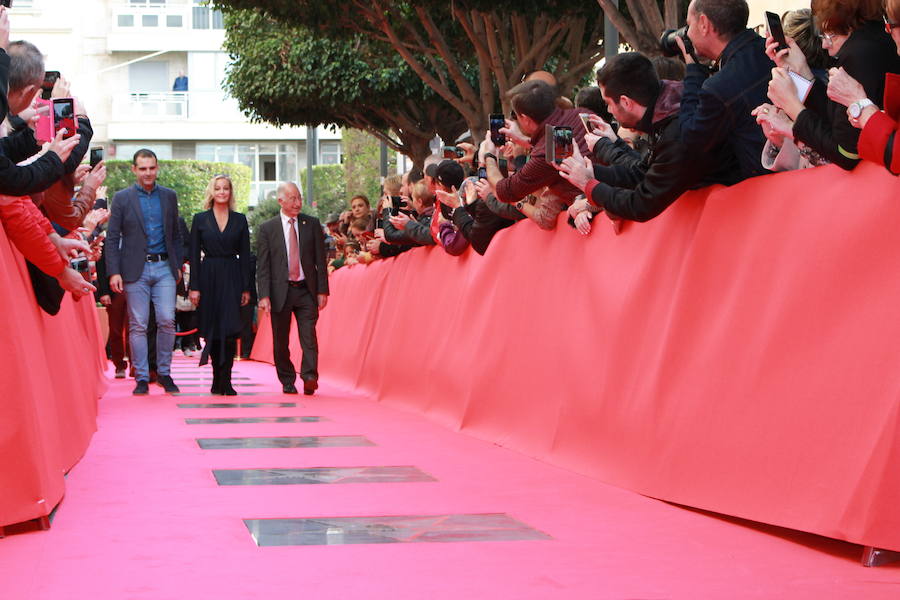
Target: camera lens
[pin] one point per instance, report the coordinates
(669, 46)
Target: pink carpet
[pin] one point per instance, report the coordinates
(143, 518)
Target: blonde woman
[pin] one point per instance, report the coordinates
(220, 282)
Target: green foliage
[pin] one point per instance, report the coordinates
(262, 212)
(329, 190)
(362, 154)
(188, 178)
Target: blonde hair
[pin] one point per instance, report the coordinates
(392, 184)
(210, 190)
(423, 193)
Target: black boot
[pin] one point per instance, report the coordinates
(225, 369)
(216, 388)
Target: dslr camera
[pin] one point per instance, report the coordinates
(669, 46)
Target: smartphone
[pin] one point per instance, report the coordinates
(773, 24)
(396, 203)
(50, 78)
(64, 116)
(586, 121)
(562, 144)
(482, 173)
(96, 156)
(497, 121)
(453, 152)
(446, 211)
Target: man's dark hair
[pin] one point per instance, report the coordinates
(592, 99)
(535, 99)
(26, 65)
(729, 17)
(669, 68)
(144, 153)
(629, 74)
(415, 175)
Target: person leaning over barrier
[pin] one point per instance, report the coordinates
(639, 188)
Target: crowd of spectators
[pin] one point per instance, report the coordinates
(735, 105)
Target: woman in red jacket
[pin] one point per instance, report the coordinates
(878, 141)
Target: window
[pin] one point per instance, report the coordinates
(149, 20)
(271, 163)
(206, 17)
(174, 21)
(126, 21)
(330, 153)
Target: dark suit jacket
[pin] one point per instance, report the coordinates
(126, 240)
(272, 261)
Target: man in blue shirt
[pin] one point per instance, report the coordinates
(143, 258)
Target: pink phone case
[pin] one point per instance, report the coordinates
(44, 130)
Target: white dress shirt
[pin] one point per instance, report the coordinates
(286, 229)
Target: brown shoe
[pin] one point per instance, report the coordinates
(310, 386)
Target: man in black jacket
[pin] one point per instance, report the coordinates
(715, 109)
(635, 187)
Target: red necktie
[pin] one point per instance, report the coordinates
(293, 254)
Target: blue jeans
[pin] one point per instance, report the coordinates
(156, 283)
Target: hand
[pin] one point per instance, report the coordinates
(469, 155)
(591, 140)
(688, 59)
(96, 217)
(97, 175)
(783, 93)
(105, 300)
(33, 113)
(194, 297)
(792, 59)
(400, 221)
(61, 89)
(577, 170)
(346, 216)
(72, 281)
(583, 222)
(843, 89)
(602, 128)
(70, 247)
(265, 304)
(776, 127)
(63, 148)
(4, 28)
(81, 171)
(323, 301)
(450, 198)
(101, 191)
(487, 147)
(374, 246)
(116, 285)
(515, 135)
(484, 189)
(579, 206)
(245, 298)
(96, 248)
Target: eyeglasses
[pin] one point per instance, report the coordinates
(889, 26)
(826, 37)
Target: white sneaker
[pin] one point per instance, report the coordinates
(188, 353)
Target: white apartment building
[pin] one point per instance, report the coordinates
(123, 57)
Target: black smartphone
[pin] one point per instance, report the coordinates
(446, 211)
(497, 121)
(50, 78)
(379, 223)
(482, 173)
(452, 152)
(396, 203)
(773, 24)
(64, 116)
(96, 156)
(562, 144)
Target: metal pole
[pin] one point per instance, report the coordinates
(384, 160)
(312, 154)
(610, 36)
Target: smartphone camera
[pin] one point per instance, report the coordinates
(562, 144)
(396, 203)
(482, 173)
(64, 116)
(497, 121)
(83, 266)
(453, 152)
(50, 78)
(96, 156)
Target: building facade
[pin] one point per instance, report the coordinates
(150, 73)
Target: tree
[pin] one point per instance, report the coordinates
(288, 74)
(641, 22)
(469, 52)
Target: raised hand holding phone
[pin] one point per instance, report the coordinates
(4, 27)
(63, 146)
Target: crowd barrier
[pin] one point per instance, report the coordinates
(51, 376)
(737, 354)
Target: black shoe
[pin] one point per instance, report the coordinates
(141, 389)
(289, 388)
(216, 388)
(227, 390)
(310, 386)
(166, 382)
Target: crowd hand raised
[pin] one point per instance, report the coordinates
(4, 28)
(583, 222)
(512, 132)
(484, 189)
(602, 128)
(61, 89)
(688, 59)
(450, 198)
(63, 147)
(194, 297)
(782, 91)
(72, 281)
(97, 175)
(577, 170)
(374, 246)
(843, 89)
(776, 127)
(265, 304)
(98, 216)
(70, 247)
(81, 171)
(469, 155)
(591, 140)
(346, 216)
(400, 221)
(791, 59)
(487, 147)
(245, 298)
(33, 113)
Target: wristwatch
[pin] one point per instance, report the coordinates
(519, 205)
(855, 109)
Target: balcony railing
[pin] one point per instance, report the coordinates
(175, 106)
(159, 17)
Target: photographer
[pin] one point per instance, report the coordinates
(417, 231)
(715, 109)
(639, 187)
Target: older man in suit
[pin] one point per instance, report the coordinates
(292, 280)
(143, 259)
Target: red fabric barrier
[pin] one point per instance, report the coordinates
(51, 376)
(737, 354)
